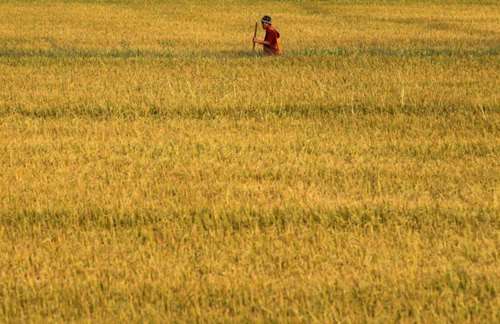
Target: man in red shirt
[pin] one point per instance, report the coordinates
(271, 41)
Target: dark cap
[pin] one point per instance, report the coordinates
(266, 20)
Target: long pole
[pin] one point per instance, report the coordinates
(255, 35)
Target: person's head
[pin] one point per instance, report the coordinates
(266, 22)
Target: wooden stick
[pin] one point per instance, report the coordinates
(255, 35)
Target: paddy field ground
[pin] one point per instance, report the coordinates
(153, 168)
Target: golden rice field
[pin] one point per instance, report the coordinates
(154, 169)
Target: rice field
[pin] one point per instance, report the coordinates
(153, 168)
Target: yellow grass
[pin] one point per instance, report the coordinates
(153, 168)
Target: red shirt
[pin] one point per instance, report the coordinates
(272, 36)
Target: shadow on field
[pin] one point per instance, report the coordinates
(230, 54)
(249, 112)
(237, 219)
(81, 53)
(73, 53)
(47, 47)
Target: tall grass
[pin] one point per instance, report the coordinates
(153, 168)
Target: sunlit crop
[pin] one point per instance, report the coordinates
(154, 168)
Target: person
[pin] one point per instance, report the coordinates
(271, 42)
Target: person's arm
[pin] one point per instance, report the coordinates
(261, 42)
